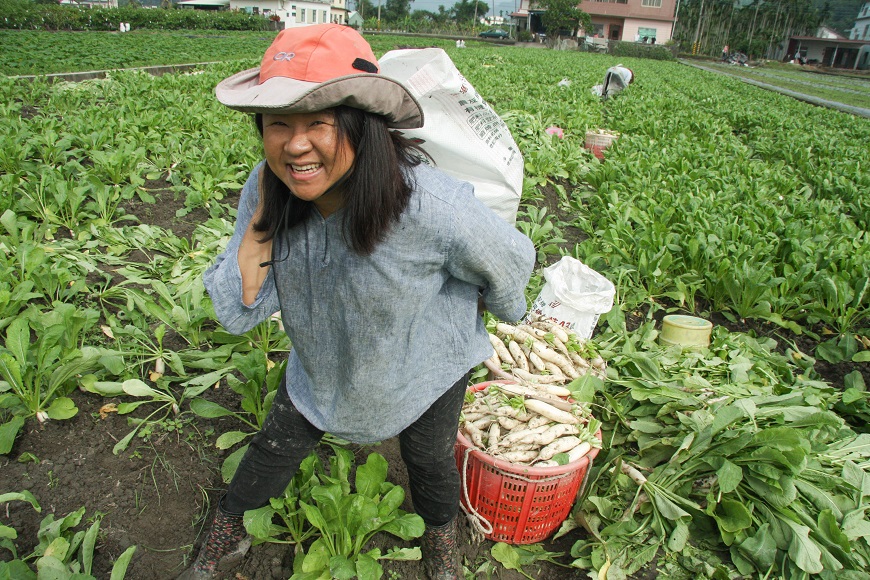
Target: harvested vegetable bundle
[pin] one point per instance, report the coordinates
(518, 425)
(541, 354)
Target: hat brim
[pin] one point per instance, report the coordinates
(282, 95)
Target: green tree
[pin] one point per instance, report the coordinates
(562, 15)
(464, 10)
(395, 10)
(366, 9)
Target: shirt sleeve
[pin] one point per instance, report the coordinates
(223, 280)
(488, 251)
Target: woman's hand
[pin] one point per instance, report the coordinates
(252, 253)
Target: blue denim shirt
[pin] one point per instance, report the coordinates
(377, 339)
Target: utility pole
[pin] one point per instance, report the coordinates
(379, 14)
(695, 46)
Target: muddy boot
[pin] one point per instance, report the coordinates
(440, 552)
(223, 549)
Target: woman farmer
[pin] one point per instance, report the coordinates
(376, 263)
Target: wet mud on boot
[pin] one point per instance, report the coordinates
(441, 552)
(223, 549)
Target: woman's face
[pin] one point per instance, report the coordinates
(304, 151)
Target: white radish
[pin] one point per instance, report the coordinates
(579, 451)
(508, 423)
(557, 330)
(537, 361)
(484, 422)
(517, 447)
(535, 378)
(519, 356)
(496, 370)
(555, 390)
(538, 421)
(522, 435)
(573, 455)
(551, 412)
(472, 415)
(635, 475)
(552, 356)
(561, 445)
(493, 436)
(535, 393)
(508, 411)
(519, 456)
(556, 371)
(557, 431)
(475, 434)
(501, 350)
(579, 361)
(505, 329)
(536, 332)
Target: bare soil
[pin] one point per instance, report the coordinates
(160, 493)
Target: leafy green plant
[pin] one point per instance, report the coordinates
(293, 528)
(38, 374)
(740, 451)
(347, 521)
(257, 392)
(167, 410)
(62, 552)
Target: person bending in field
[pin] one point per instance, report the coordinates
(376, 263)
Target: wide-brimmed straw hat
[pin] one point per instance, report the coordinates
(312, 68)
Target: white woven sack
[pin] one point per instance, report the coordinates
(574, 296)
(461, 132)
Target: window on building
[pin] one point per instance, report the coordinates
(867, 32)
(645, 34)
(651, 3)
(302, 15)
(324, 16)
(314, 16)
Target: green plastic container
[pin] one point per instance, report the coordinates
(685, 331)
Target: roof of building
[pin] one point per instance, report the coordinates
(830, 40)
(204, 3)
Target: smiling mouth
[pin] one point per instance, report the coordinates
(310, 168)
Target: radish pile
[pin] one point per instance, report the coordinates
(529, 421)
(541, 353)
(505, 422)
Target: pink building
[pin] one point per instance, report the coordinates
(628, 20)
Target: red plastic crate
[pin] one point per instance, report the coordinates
(523, 504)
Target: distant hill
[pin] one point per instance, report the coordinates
(842, 13)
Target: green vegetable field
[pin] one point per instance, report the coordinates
(747, 459)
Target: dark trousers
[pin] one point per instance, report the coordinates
(275, 453)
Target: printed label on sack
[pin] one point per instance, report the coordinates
(547, 306)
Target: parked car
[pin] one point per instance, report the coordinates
(494, 33)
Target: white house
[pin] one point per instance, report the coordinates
(861, 30)
(338, 12)
(295, 12)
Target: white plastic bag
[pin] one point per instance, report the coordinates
(462, 134)
(616, 79)
(574, 296)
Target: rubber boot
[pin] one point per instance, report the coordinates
(441, 552)
(223, 549)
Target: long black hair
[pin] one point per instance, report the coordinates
(376, 189)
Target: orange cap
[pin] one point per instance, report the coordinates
(317, 67)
